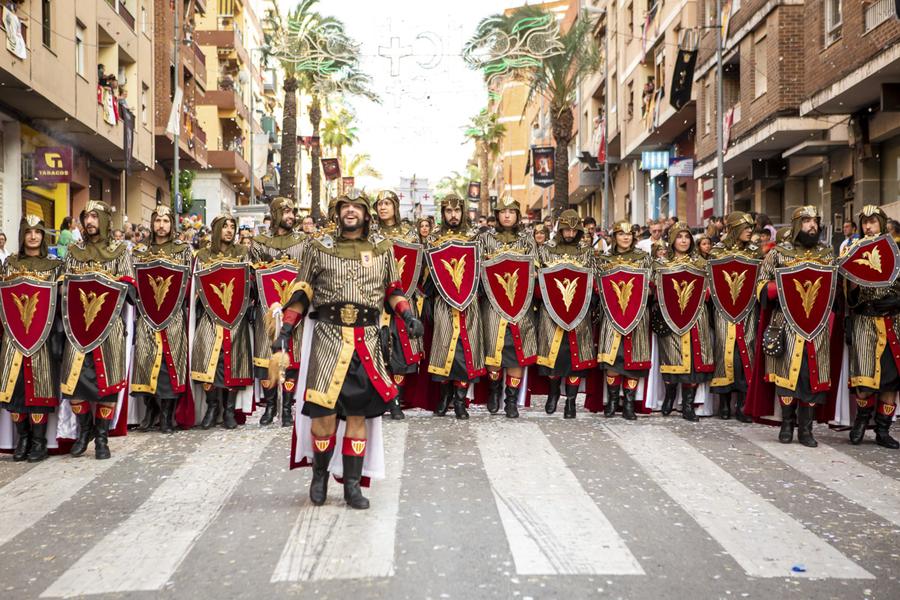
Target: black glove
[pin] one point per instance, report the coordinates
(414, 326)
(848, 330)
(283, 341)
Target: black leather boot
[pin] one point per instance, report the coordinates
(688, 393)
(151, 414)
(858, 431)
(628, 405)
(669, 401)
(571, 396)
(444, 401)
(788, 413)
(511, 403)
(553, 396)
(352, 474)
(725, 406)
(38, 450)
(318, 487)
(287, 413)
(23, 444)
(459, 402)
(212, 408)
(167, 411)
(101, 441)
(805, 418)
(739, 413)
(271, 396)
(395, 406)
(496, 390)
(883, 432)
(612, 400)
(85, 433)
(228, 406)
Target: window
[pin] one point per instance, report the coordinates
(144, 24)
(80, 33)
(145, 108)
(833, 21)
(629, 18)
(760, 64)
(707, 107)
(46, 23)
(629, 111)
(710, 12)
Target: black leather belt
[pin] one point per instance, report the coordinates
(347, 314)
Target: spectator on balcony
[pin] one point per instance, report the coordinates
(647, 96)
(3, 253)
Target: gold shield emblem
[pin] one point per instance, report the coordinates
(322, 445)
(349, 314)
(358, 446)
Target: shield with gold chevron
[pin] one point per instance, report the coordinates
(732, 285)
(91, 303)
(806, 293)
(872, 262)
(274, 281)
(27, 307)
(681, 290)
(224, 290)
(409, 265)
(161, 285)
(508, 281)
(566, 289)
(623, 292)
(454, 267)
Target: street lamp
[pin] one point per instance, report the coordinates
(601, 12)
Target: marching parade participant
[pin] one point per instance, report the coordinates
(624, 347)
(98, 278)
(29, 350)
(162, 273)
(220, 351)
(566, 348)
(345, 282)
(800, 276)
(508, 330)
(454, 264)
(405, 352)
(733, 269)
(276, 255)
(685, 350)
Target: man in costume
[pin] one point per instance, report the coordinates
(30, 376)
(565, 356)
(220, 355)
(457, 357)
(160, 376)
(510, 345)
(735, 342)
(281, 245)
(346, 282)
(99, 375)
(801, 372)
(405, 352)
(873, 339)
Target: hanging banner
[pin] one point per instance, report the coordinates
(127, 136)
(683, 78)
(331, 168)
(474, 190)
(543, 157)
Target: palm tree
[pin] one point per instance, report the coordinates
(487, 132)
(456, 183)
(359, 165)
(338, 131)
(554, 76)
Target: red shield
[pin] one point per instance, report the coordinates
(454, 267)
(274, 283)
(733, 285)
(873, 262)
(161, 287)
(409, 265)
(224, 289)
(508, 281)
(624, 291)
(806, 292)
(566, 289)
(27, 307)
(681, 290)
(91, 304)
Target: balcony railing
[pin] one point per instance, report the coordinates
(201, 58)
(877, 13)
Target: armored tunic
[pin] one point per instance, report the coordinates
(220, 357)
(561, 352)
(734, 343)
(507, 344)
(30, 384)
(804, 369)
(100, 374)
(626, 355)
(162, 368)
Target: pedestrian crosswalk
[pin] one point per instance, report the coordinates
(545, 512)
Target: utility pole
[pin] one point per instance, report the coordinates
(719, 201)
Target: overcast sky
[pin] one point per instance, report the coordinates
(430, 95)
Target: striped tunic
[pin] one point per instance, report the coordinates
(163, 351)
(578, 353)
(106, 377)
(628, 355)
(220, 357)
(342, 270)
(519, 339)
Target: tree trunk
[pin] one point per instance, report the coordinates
(315, 180)
(484, 205)
(288, 185)
(561, 124)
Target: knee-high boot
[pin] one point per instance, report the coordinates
(688, 393)
(212, 408)
(271, 396)
(23, 444)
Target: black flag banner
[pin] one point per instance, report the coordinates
(683, 78)
(128, 137)
(543, 159)
(473, 191)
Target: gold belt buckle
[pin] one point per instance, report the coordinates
(349, 314)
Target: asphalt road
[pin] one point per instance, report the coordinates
(489, 508)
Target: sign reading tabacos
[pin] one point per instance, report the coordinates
(53, 164)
